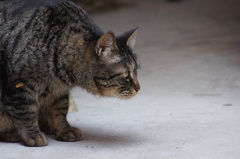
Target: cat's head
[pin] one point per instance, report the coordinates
(117, 74)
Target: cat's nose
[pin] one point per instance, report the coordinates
(137, 86)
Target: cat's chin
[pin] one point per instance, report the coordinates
(119, 96)
(125, 97)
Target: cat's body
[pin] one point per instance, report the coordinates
(46, 48)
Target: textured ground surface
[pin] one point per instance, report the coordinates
(189, 104)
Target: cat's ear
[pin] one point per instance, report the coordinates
(131, 42)
(129, 37)
(105, 47)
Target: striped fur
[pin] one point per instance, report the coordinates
(47, 48)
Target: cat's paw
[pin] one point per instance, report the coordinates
(38, 139)
(72, 134)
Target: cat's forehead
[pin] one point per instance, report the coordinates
(132, 58)
(128, 56)
(127, 59)
(126, 64)
(130, 61)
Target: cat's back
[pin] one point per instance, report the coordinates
(15, 10)
(24, 15)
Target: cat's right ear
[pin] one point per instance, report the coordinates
(129, 38)
(105, 47)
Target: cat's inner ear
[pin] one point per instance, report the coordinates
(106, 47)
(131, 42)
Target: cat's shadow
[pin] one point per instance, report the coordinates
(108, 139)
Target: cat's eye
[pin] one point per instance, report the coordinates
(126, 75)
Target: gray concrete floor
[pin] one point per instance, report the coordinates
(189, 104)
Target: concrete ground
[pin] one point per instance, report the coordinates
(189, 104)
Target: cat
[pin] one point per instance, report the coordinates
(48, 47)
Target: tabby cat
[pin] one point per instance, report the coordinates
(47, 48)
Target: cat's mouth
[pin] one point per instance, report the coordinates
(128, 94)
(116, 93)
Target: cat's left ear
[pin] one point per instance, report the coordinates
(129, 37)
(105, 48)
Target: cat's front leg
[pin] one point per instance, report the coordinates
(59, 124)
(21, 106)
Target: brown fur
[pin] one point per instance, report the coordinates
(47, 48)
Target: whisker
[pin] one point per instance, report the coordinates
(109, 101)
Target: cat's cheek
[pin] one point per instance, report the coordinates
(109, 92)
